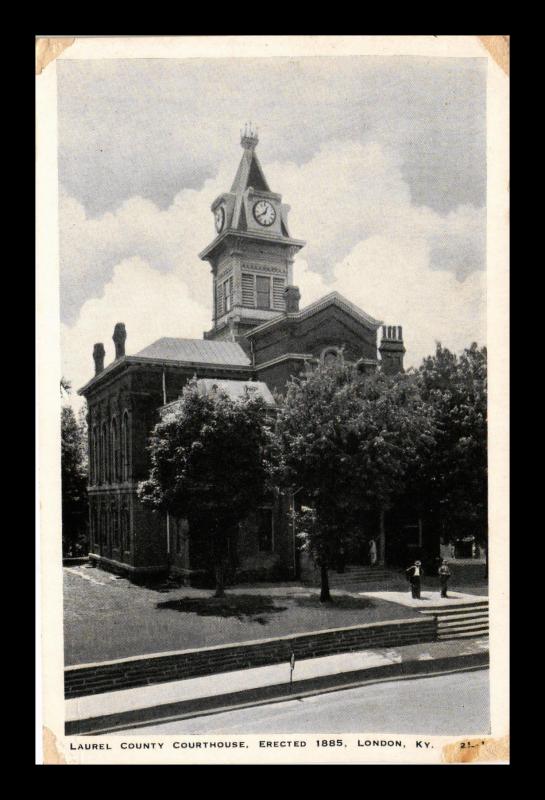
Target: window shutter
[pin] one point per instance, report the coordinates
(219, 300)
(263, 291)
(248, 290)
(278, 294)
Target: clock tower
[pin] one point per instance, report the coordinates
(252, 253)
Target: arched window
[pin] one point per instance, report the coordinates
(331, 357)
(103, 454)
(115, 451)
(92, 465)
(94, 457)
(125, 446)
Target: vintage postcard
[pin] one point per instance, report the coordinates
(272, 369)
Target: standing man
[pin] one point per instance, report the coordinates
(444, 575)
(373, 553)
(414, 576)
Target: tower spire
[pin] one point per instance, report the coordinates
(248, 137)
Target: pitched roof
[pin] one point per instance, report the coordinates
(202, 351)
(249, 173)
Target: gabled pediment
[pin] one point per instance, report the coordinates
(333, 299)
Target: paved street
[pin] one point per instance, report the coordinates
(456, 704)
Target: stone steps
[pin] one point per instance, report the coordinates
(456, 609)
(462, 635)
(465, 622)
(460, 621)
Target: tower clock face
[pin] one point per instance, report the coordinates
(264, 213)
(219, 218)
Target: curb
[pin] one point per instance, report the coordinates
(277, 693)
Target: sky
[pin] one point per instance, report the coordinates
(381, 159)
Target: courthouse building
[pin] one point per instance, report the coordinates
(260, 336)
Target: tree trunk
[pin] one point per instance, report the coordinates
(382, 539)
(325, 596)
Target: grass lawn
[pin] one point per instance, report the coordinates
(107, 617)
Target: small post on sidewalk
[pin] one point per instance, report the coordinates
(292, 667)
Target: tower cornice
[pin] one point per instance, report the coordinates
(222, 238)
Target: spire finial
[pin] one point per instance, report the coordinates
(248, 137)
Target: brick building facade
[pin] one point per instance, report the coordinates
(259, 334)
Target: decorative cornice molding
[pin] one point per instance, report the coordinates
(132, 361)
(255, 235)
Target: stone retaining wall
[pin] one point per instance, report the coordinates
(144, 670)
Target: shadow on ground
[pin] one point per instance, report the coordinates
(254, 608)
(241, 606)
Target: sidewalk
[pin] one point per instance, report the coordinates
(129, 708)
(428, 599)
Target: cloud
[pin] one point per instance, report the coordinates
(392, 280)
(169, 239)
(151, 305)
(146, 127)
(349, 192)
(403, 263)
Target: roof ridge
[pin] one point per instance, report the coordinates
(314, 306)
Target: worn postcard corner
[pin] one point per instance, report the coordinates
(48, 50)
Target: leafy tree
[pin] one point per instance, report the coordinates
(74, 482)
(349, 441)
(456, 475)
(65, 386)
(208, 463)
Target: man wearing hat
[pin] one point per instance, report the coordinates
(444, 575)
(414, 576)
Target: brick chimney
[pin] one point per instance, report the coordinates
(98, 357)
(119, 337)
(392, 349)
(292, 295)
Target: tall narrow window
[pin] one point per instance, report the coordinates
(125, 529)
(104, 454)
(125, 445)
(96, 455)
(103, 532)
(263, 291)
(115, 526)
(93, 457)
(228, 293)
(114, 451)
